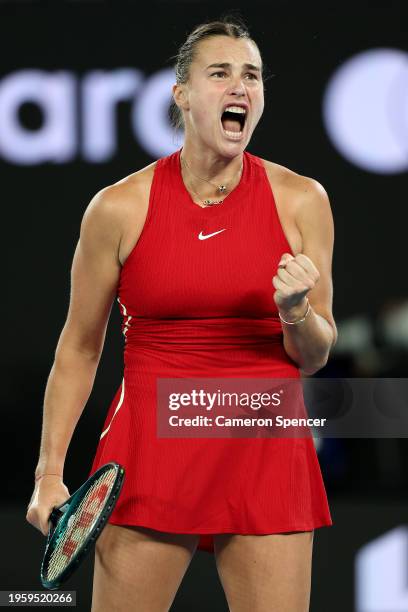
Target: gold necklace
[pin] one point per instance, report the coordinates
(206, 202)
(221, 188)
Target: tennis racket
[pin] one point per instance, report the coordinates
(77, 523)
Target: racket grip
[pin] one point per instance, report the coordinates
(54, 518)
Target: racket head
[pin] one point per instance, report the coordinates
(78, 522)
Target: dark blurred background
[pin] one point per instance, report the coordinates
(84, 96)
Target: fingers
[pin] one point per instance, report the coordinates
(307, 264)
(285, 258)
(39, 520)
(43, 527)
(282, 288)
(299, 269)
(33, 518)
(44, 498)
(295, 277)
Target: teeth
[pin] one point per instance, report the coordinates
(235, 135)
(235, 109)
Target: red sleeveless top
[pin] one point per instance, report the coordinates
(196, 297)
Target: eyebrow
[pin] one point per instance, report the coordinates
(227, 65)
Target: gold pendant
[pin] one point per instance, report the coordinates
(211, 202)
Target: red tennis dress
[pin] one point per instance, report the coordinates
(204, 308)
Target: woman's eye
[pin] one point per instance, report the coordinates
(222, 72)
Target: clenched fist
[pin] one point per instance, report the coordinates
(295, 277)
(48, 492)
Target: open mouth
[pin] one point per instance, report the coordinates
(233, 121)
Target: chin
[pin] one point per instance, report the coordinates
(232, 149)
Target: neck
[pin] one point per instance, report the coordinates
(203, 172)
(210, 165)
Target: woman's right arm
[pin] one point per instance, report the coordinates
(94, 279)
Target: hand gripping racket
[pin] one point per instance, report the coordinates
(78, 522)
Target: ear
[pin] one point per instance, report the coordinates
(180, 96)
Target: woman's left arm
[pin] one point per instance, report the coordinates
(307, 278)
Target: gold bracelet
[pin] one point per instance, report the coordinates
(299, 320)
(47, 474)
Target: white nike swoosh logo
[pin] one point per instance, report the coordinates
(202, 237)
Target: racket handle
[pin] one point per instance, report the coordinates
(55, 516)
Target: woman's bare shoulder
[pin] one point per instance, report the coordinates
(126, 188)
(128, 197)
(289, 180)
(297, 196)
(120, 206)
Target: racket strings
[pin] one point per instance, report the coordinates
(80, 524)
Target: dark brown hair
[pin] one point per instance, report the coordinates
(228, 25)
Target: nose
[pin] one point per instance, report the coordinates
(237, 86)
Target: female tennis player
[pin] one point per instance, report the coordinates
(220, 262)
